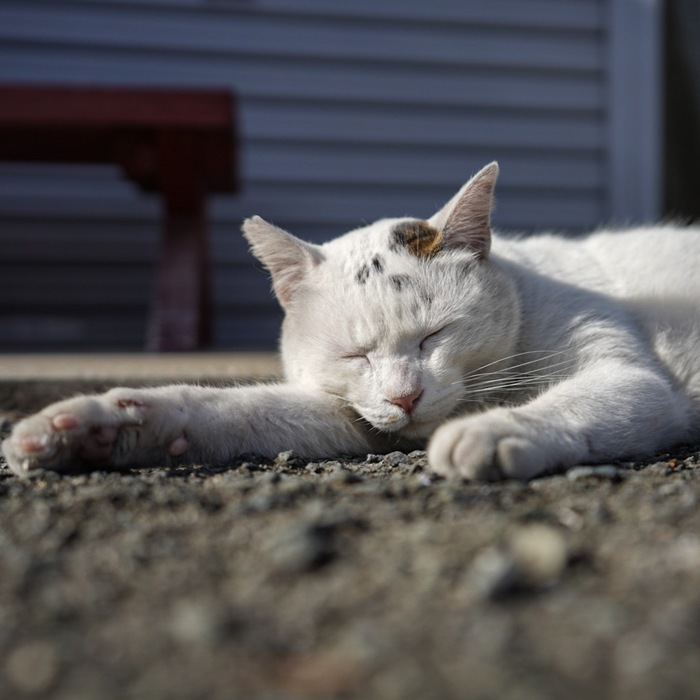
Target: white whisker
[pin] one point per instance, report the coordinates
(545, 355)
(515, 377)
(491, 387)
(478, 378)
(514, 385)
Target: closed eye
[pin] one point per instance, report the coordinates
(426, 341)
(357, 356)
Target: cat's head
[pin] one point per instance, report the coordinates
(391, 317)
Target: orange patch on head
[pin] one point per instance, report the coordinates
(419, 238)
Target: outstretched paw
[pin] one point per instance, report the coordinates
(88, 432)
(483, 449)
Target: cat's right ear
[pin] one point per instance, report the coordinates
(287, 258)
(465, 221)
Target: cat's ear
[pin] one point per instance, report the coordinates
(465, 221)
(287, 258)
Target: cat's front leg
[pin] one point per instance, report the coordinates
(605, 413)
(176, 424)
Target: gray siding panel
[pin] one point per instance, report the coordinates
(552, 14)
(292, 81)
(636, 95)
(304, 37)
(349, 111)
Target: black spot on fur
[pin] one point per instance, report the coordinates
(362, 274)
(376, 265)
(399, 282)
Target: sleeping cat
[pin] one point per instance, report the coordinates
(506, 357)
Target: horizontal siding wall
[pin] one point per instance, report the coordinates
(349, 112)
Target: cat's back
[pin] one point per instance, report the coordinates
(640, 262)
(650, 274)
(659, 262)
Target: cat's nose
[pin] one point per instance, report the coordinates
(408, 401)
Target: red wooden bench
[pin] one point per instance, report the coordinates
(179, 142)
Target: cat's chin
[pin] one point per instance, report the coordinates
(390, 426)
(407, 427)
(420, 430)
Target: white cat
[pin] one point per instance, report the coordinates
(507, 357)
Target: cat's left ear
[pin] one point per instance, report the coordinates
(287, 258)
(465, 221)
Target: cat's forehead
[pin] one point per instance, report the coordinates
(400, 236)
(383, 284)
(387, 251)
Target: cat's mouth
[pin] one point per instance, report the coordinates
(420, 422)
(408, 424)
(389, 424)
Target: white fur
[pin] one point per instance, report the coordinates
(509, 356)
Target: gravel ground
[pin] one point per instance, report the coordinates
(357, 578)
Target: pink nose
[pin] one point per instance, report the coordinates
(408, 401)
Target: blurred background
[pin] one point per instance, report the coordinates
(348, 111)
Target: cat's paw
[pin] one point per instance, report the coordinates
(486, 448)
(91, 432)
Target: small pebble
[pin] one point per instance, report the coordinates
(194, 623)
(493, 573)
(32, 667)
(540, 553)
(393, 459)
(425, 479)
(532, 558)
(306, 548)
(251, 466)
(288, 459)
(601, 471)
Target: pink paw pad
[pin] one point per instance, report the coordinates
(65, 421)
(178, 446)
(31, 445)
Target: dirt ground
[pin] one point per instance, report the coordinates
(347, 579)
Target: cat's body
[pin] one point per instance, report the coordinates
(508, 356)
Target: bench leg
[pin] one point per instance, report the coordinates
(180, 312)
